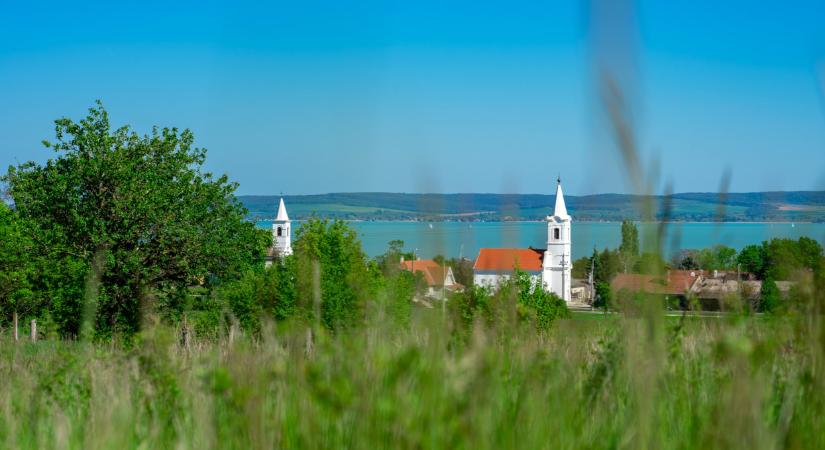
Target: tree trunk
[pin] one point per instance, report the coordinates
(33, 331)
(16, 332)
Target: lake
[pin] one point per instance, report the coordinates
(465, 238)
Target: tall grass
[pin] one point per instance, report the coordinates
(647, 381)
(639, 380)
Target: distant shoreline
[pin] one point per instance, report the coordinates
(785, 222)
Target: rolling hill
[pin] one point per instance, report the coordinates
(798, 206)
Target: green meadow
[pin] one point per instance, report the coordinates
(591, 381)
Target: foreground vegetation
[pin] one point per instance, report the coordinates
(158, 327)
(623, 382)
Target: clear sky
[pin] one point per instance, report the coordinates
(431, 96)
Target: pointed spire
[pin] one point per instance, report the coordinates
(282, 212)
(560, 210)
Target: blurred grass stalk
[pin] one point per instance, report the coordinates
(635, 380)
(605, 382)
(642, 334)
(755, 406)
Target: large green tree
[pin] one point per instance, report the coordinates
(781, 259)
(751, 259)
(718, 257)
(606, 265)
(333, 281)
(139, 210)
(810, 253)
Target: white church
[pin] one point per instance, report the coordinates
(549, 267)
(281, 236)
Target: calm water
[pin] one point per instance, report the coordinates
(456, 238)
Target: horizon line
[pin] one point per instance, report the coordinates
(548, 195)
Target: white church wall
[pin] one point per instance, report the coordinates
(492, 280)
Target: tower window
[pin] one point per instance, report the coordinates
(556, 233)
(280, 232)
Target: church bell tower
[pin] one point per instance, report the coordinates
(557, 262)
(282, 232)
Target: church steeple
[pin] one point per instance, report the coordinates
(561, 209)
(282, 216)
(557, 261)
(281, 232)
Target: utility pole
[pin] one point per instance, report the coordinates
(592, 280)
(444, 283)
(444, 290)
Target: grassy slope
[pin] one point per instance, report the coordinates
(789, 206)
(620, 382)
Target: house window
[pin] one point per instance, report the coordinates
(280, 233)
(556, 233)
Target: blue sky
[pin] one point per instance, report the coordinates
(433, 96)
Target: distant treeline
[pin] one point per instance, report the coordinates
(799, 206)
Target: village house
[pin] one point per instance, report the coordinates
(440, 279)
(673, 285)
(711, 290)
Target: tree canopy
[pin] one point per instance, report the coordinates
(139, 211)
(780, 259)
(329, 256)
(718, 257)
(15, 263)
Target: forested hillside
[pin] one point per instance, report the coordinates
(800, 206)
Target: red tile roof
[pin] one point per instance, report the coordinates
(674, 282)
(507, 259)
(433, 273)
